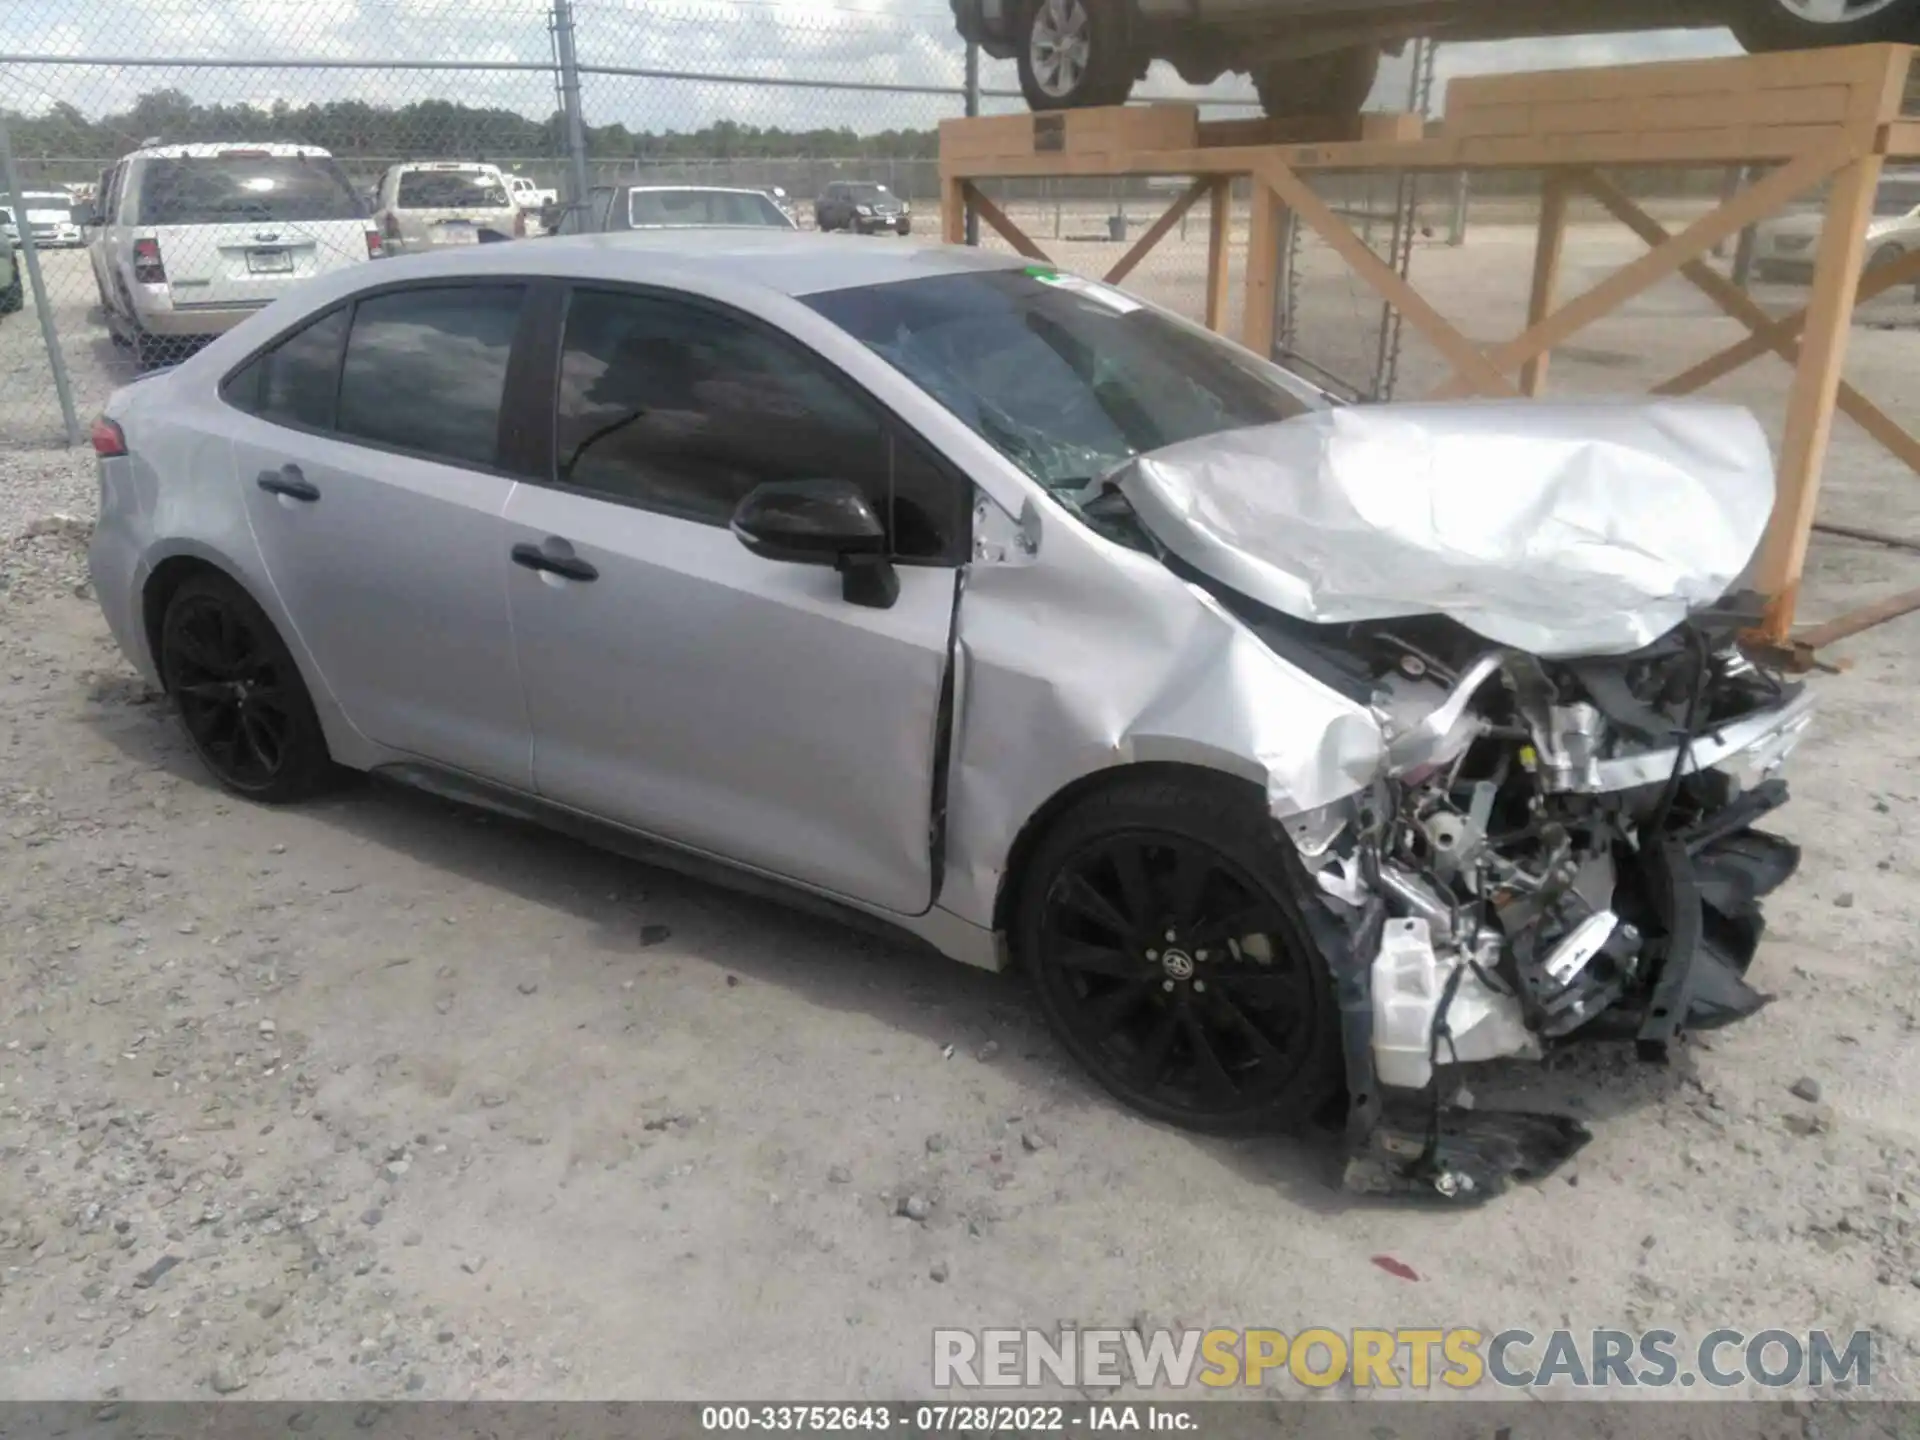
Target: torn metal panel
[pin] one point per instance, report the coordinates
(1561, 529)
(1097, 656)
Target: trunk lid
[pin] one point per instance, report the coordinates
(253, 263)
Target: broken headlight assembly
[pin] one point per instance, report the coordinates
(1558, 850)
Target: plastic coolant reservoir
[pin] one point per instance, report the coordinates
(1408, 980)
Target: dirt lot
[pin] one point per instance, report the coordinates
(382, 1098)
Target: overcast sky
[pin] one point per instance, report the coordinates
(885, 41)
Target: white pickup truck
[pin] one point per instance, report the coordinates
(531, 199)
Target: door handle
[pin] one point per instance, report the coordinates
(569, 567)
(288, 481)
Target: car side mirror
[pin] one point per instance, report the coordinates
(821, 522)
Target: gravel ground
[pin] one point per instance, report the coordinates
(382, 1098)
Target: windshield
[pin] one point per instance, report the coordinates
(48, 210)
(213, 189)
(450, 190)
(1064, 377)
(704, 207)
(867, 193)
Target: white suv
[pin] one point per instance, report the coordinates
(427, 203)
(189, 240)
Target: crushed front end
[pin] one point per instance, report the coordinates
(1556, 850)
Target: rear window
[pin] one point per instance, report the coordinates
(1896, 199)
(49, 209)
(450, 190)
(703, 207)
(216, 189)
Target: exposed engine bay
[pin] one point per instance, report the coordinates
(1557, 850)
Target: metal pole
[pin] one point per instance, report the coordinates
(970, 100)
(1743, 247)
(42, 302)
(1457, 226)
(569, 64)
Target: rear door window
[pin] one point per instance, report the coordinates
(244, 187)
(426, 370)
(294, 383)
(451, 190)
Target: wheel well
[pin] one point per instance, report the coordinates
(162, 585)
(1072, 794)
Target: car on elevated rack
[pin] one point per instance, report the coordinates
(1319, 57)
(189, 240)
(960, 596)
(673, 207)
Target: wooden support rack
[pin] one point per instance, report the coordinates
(1799, 120)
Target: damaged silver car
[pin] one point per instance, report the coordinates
(1299, 754)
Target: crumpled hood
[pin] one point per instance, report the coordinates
(1560, 528)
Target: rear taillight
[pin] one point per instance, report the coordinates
(107, 439)
(148, 268)
(376, 247)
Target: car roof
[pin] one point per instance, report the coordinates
(786, 262)
(201, 149)
(692, 189)
(447, 165)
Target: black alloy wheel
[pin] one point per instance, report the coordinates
(1171, 960)
(240, 696)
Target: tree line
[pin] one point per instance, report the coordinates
(428, 129)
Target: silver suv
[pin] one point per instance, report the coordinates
(189, 240)
(1318, 57)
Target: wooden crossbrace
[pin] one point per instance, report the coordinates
(997, 220)
(1440, 333)
(1737, 303)
(1156, 231)
(1753, 203)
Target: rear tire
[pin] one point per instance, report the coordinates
(1763, 25)
(1231, 1025)
(13, 297)
(240, 696)
(1884, 255)
(1075, 53)
(1335, 85)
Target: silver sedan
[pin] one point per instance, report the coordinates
(947, 591)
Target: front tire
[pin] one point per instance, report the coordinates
(1160, 924)
(1884, 255)
(1075, 53)
(240, 696)
(1763, 25)
(1334, 85)
(13, 297)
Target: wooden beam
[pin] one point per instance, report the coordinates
(1841, 627)
(1002, 226)
(1157, 231)
(1219, 253)
(1459, 351)
(1546, 271)
(1265, 229)
(953, 210)
(1780, 329)
(1759, 199)
(1737, 303)
(1816, 380)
